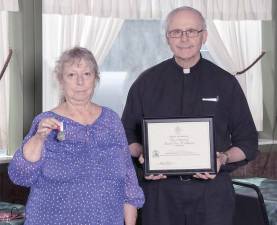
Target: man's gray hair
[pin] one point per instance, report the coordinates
(180, 9)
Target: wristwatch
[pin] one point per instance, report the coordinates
(223, 157)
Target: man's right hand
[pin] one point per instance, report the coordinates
(151, 177)
(136, 150)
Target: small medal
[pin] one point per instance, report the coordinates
(61, 134)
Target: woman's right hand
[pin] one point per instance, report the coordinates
(33, 148)
(46, 126)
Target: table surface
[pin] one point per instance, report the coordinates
(268, 189)
(5, 159)
(5, 206)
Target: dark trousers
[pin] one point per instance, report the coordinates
(195, 202)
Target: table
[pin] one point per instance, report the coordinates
(268, 189)
(5, 206)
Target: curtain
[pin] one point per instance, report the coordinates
(5, 7)
(156, 9)
(234, 45)
(4, 83)
(9, 5)
(61, 32)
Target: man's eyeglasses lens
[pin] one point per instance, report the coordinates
(179, 33)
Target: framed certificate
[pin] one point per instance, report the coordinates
(179, 146)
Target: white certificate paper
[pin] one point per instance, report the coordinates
(183, 146)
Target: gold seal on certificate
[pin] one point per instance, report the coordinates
(179, 146)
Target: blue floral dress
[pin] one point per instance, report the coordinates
(83, 180)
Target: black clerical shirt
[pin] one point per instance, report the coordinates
(165, 91)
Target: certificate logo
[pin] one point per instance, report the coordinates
(178, 130)
(155, 154)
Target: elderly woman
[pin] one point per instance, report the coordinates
(75, 157)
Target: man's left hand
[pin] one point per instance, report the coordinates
(219, 161)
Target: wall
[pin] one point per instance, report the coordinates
(10, 192)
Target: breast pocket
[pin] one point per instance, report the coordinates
(210, 105)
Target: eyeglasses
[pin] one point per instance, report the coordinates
(191, 33)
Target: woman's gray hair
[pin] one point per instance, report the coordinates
(180, 9)
(72, 56)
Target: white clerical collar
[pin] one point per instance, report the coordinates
(186, 70)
